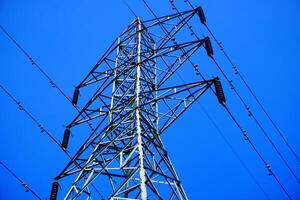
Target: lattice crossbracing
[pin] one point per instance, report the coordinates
(133, 104)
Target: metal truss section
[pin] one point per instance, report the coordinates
(132, 102)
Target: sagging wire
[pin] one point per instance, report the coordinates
(34, 63)
(215, 125)
(247, 138)
(22, 108)
(26, 187)
(235, 153)
(248, 109)
(128, 6)
(250, 114)
(267, 165)
(41, 127)
(218, 129)
(41, 70)
(241, 76)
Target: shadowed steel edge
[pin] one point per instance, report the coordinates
(133, 101)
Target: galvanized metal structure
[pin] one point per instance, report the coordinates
(133, 101)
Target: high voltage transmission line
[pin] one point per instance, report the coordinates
(115, 148)
(130, 88)
(41, 127)
(244, 132)
(40, 69)
(241, 76)
(125, 150)
(26, 187)
(249, 112)
(22, 108)
(244, 165)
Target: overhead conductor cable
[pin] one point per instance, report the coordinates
(27, 188)
(210, 53)
(238, 73)
(43, 72)
(43, 130)
(209, 50)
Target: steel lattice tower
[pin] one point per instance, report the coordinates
(133, 101)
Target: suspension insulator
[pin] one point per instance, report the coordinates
(54, 190)
(201, 15)
(219, 91)
(208, 47)
(75, 96)
(66, 138)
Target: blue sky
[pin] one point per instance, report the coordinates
(68, 37)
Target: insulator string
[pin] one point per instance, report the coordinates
(242, 77)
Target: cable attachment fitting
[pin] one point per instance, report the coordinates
(249, 112)
(236, 72)
(221, 46)
(246, 137)
(32, 61)
(231, 84)
(25, 186)
(20, 106)
(52, 83)
(191, 30)
(269, 170)
(42, 129)
(197, 71)
(91, 126)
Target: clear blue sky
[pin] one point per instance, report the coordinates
(68, 37)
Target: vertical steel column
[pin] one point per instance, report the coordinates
(138, 122)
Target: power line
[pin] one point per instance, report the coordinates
(22, 108)
(238, 73)
(52, 83)
(128, 6)
(41, 70)
(40, 126)
(212, 121)
(248, 110)
(250, 114)
(235, 153)
(27, 188)
(228, 144)
(247, 138)
(34, 63)
(268, 166)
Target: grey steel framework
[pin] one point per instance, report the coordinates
(133, 101)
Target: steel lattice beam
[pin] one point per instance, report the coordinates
(132, 102)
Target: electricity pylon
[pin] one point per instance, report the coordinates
(134, 100)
